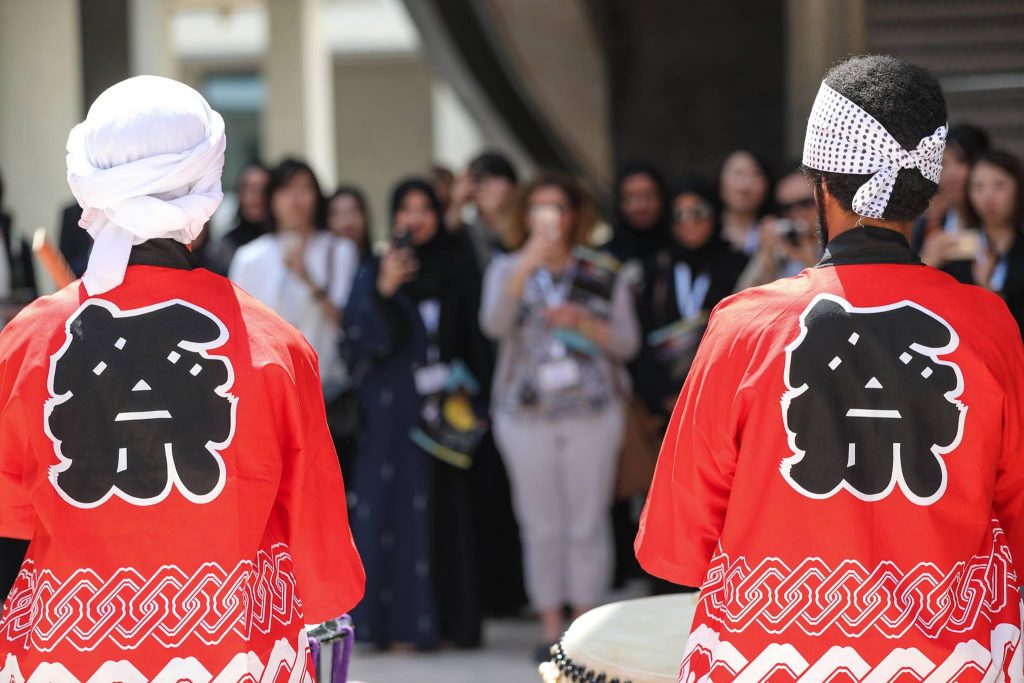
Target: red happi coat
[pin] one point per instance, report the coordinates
(164, 446)
(843, 476)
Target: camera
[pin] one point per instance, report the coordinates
(790, 230)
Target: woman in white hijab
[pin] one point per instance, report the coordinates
(162, 436)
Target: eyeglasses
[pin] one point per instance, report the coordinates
(805, 203)
(697, 213)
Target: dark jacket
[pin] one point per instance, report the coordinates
(658, 307)
(19, 256)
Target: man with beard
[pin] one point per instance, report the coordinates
(843, 472)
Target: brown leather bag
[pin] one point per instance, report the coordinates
(639, 454)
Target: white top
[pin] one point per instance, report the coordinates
(259, 269)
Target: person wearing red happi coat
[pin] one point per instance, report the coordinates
(843, 475)
(163, 442)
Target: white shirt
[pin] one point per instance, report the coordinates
(331, 262)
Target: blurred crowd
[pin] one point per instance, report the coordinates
(497, 378)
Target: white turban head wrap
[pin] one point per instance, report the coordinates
(146, 163)
(843, 138)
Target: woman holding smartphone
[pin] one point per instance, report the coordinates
(410, 320)
(558, 397)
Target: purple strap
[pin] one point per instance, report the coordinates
(342, 654)
(314, 648)
(338, 668)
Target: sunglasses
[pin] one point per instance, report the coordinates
(697, 213)
(805, 203)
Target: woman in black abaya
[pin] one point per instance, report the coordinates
(409, 311)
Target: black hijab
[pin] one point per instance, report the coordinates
(696, 256)
(715, 257)
(629, 242)
(245, 230)
(448, 273)
(434, 255)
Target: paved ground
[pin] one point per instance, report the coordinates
(505, 658)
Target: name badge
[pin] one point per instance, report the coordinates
(557, 375)
(430, 379)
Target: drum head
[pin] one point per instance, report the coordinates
(641, 641)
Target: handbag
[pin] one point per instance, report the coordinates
(639, 454)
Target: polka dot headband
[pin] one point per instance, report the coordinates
(843, 138)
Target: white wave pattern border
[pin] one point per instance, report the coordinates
(171, 607)
(817, 598)
(285, 664)
(709, 658)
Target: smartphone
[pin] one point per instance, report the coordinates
(966, 246)
(545, 220)
(402, 239)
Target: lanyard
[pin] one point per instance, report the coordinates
(690, 293)
(430, 313)
(753, 241)
(997, 280)
(951, 224)
(554, 295)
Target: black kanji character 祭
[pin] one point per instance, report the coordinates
(870, 403)
(164, 452)
(842, 474)
(138, 406)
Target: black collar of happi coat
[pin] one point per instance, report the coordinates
(868, 245)
(163, 253)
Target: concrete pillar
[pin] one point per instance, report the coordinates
(103, 32)
(299, 117)
(818, 33)
(149, 44)
(41, 92)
